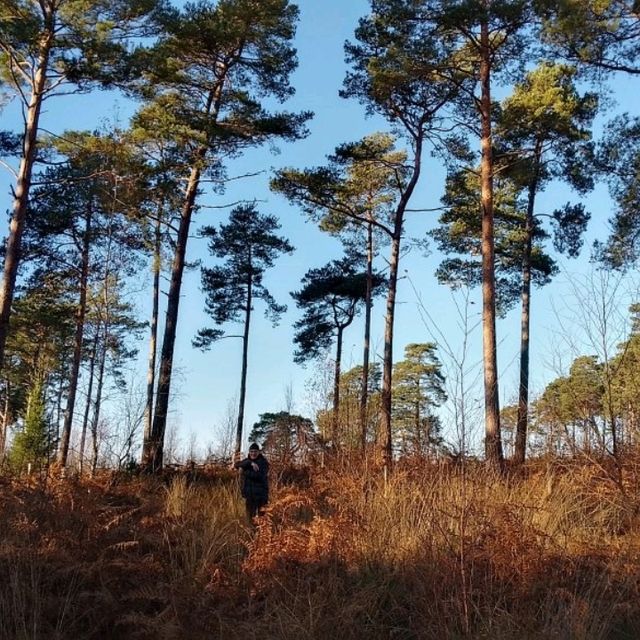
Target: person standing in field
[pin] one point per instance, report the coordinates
(255, 480)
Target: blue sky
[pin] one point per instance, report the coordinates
(207, 381)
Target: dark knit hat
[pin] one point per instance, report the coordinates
(254, 447)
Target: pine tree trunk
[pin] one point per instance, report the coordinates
(243, 374)
(493, 441)
(153, 337)
(523, 395)
(85, 420)
(63, 451)
(152, 450)
(152, 454)
(23, 184)
(364, 392)
(387, 368)
(98, 403)
(335, 417)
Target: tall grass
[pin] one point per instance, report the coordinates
(435, 553)
(204, 532)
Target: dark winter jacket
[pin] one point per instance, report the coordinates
(255, 484)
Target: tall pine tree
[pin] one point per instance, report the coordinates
(248, 246)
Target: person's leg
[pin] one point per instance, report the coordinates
(260, 505)
(252, 508)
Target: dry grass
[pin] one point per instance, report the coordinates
(434, 553)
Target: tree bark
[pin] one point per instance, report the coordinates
(152, 450)
(153, 337)
(523, 395)
(493, 441)
(387, 451)
(23, 183)
(364, 393)
(98, 402)
(85, 420)
(63, 451)
(243, 374)
(152, 454)
(385, 408)
(336, 390)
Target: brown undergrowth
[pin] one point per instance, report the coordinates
(442, 552)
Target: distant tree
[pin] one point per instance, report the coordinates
(32, 442)
(577, 403)
(351, 406)
(418, 387)
(285, 437)
(249, 246)
(625, 385)
(330, 298)
(584, 401)
(353, 197)
(508, 423)
(210, 71)
(396, 71)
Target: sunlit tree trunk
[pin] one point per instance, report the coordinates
(493, 442)
(394, 260)
(23, 182)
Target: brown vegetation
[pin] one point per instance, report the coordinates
(438, 552)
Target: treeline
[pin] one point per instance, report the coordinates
(91, 208)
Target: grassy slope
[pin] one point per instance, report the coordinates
(433, 554)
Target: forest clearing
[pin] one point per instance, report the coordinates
(440, 552)
(393, 246)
